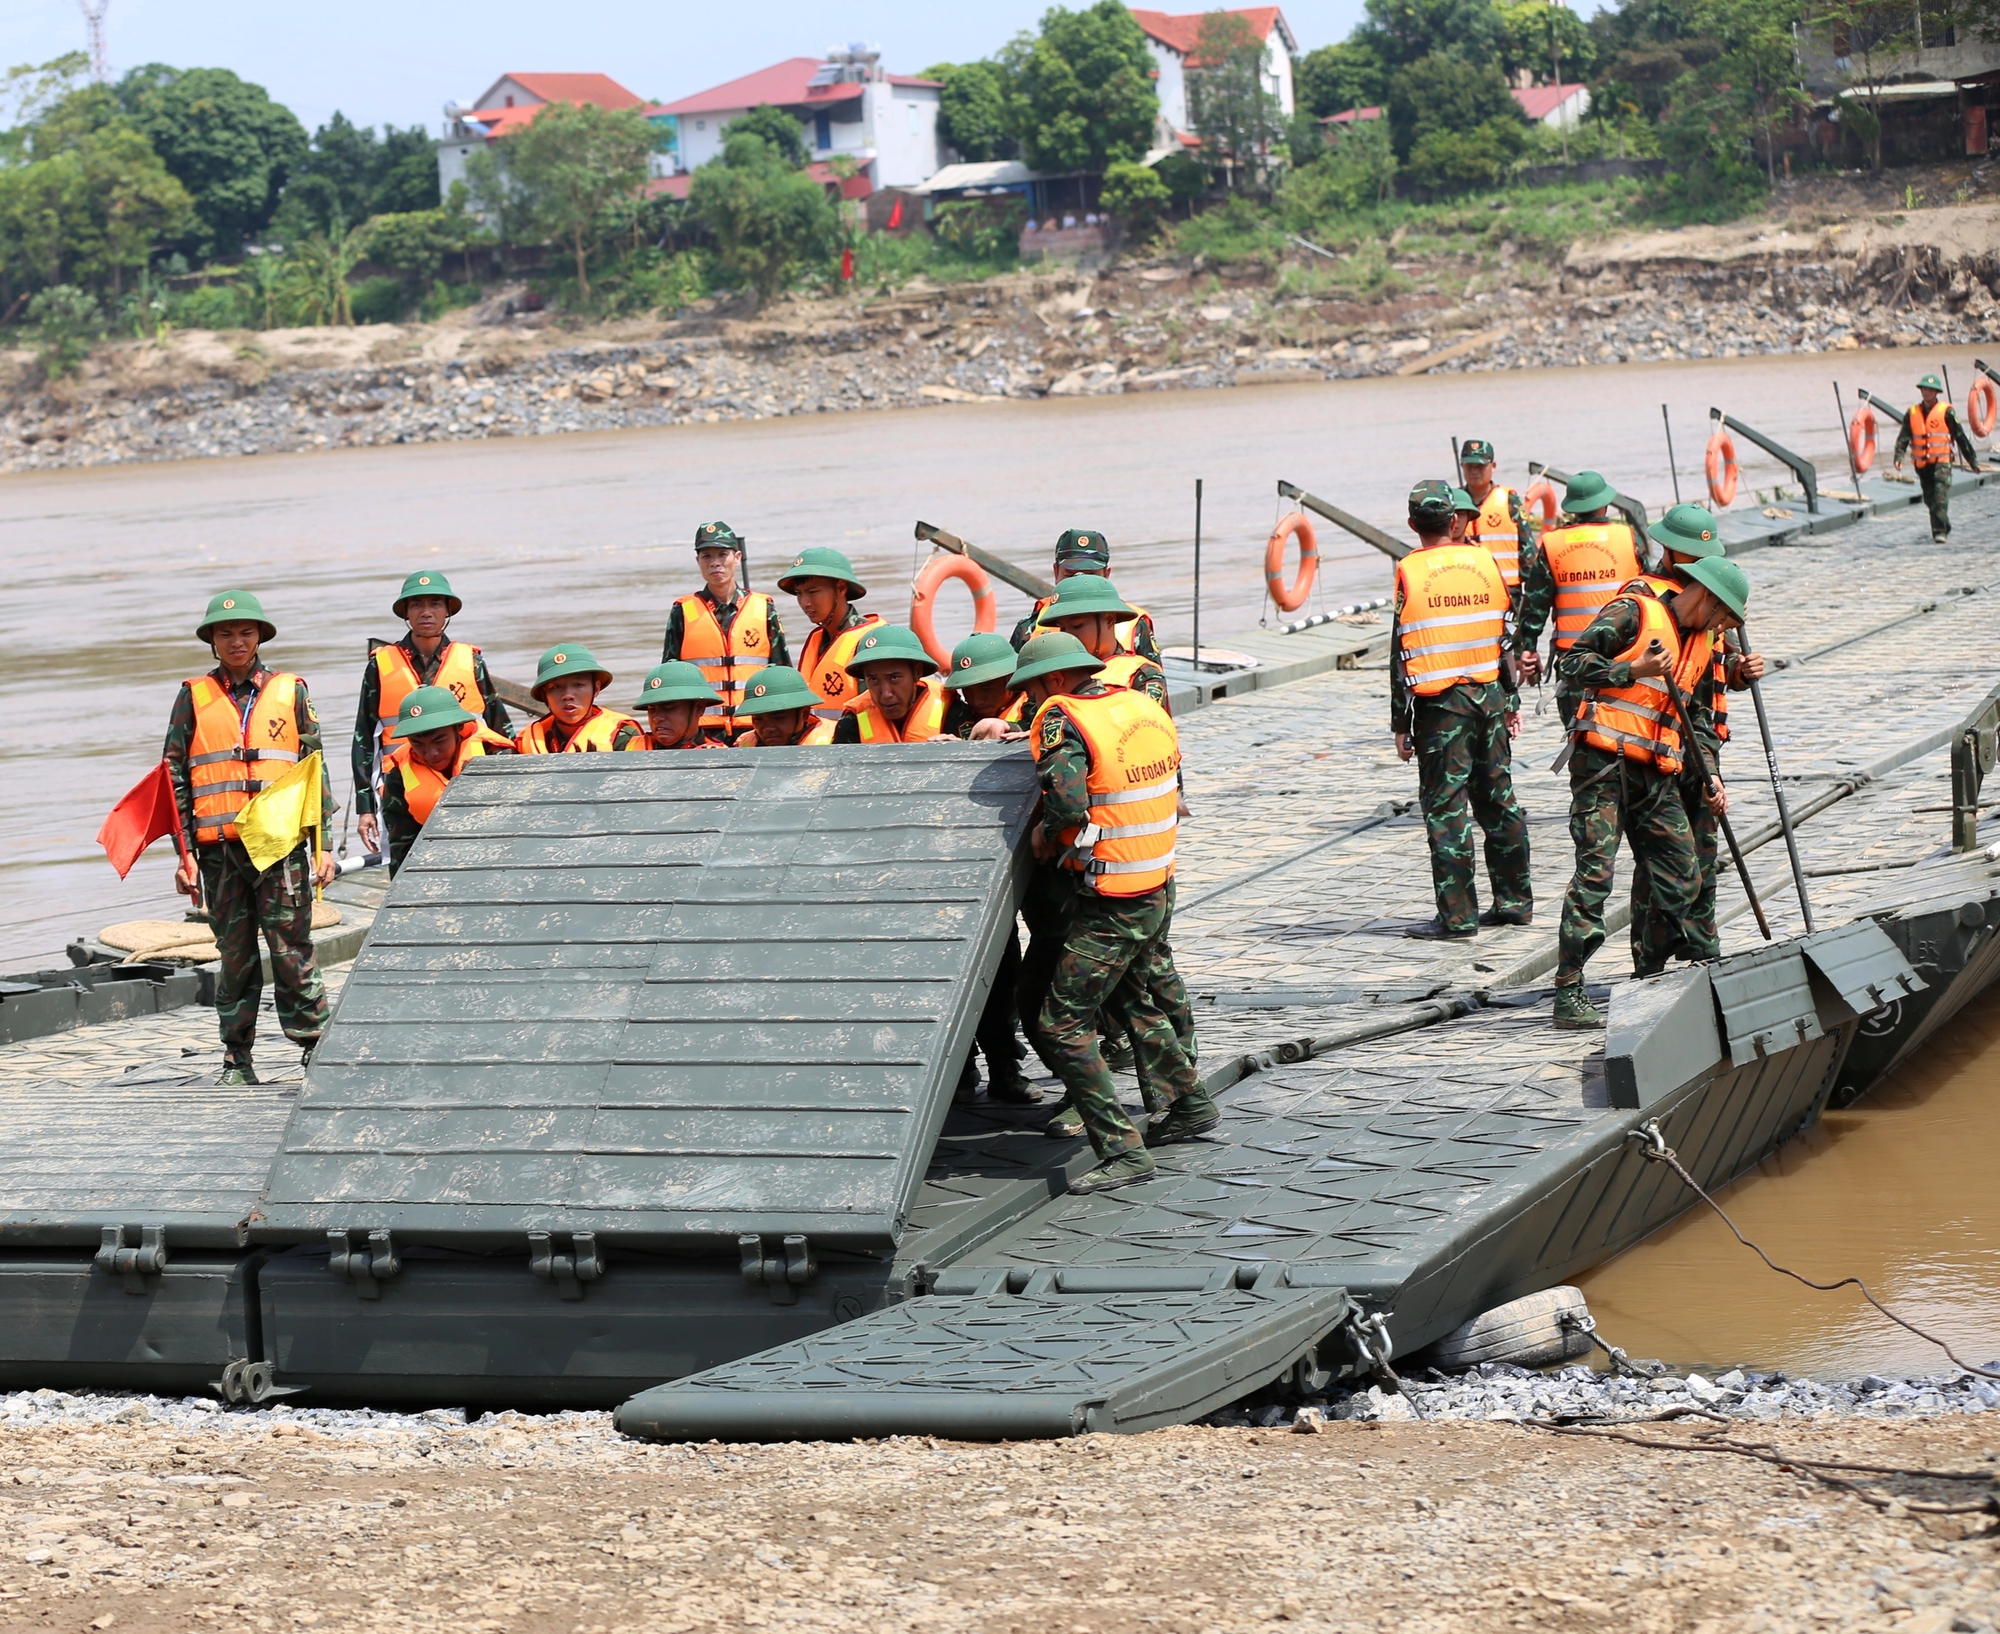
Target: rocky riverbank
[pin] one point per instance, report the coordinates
(1927, 278)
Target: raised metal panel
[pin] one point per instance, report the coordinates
(65, 1323)
(665, 998)
(1766, 1002)
(1862, 965)
(1661, 1035)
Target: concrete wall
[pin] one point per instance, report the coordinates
(1171, 87)
(905, 126)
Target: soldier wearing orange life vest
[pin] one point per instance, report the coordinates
(432, 740)
(567, 682)
(1090, 608)
(1931, 432)
(1452, 707)
(827, 587)
(426, 656)
(1626, 756)
(673, 697)
(726, 631)
(1499, 520)
(902, 701)
(779, 707)
(1086, 551)
(233, 731)
(1572, 571)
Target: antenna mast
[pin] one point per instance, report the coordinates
(100, 55)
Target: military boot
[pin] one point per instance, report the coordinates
(1067, 1124)
(1126, 1169)
(1009, 1087)
(1508, 916)
(1117, 1053)
(237, 1071)
(1191, 1117)
(967, 1089)
(1436, 930)
(1574, 1012)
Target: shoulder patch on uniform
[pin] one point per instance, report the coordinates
(1052, 729)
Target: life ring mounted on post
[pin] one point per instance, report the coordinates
(1290, 598)
(932, 577)
(1861, 438)
(1723, 469)
(1982, 406)
(1541, 496)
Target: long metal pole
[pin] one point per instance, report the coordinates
(1197, 575)
(1846, 442)
(1457, 464)
(1671, 466)
(1742, 640)
(1709, 782)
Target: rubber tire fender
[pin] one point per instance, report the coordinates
(1861, 438)
(1290, 598)
(931, 578)
(1527, 1332)
(1723, 469)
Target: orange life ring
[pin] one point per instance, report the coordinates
(1861, 438)
(1982, 406)
(1541, 496)
(1722, 468)
(931, 578)
(1291, 599)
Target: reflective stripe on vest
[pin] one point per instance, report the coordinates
(1452, 608)
(1589, 562)
(423, 786)
(924, 721)
(824, 663)
(596, 733)
(398, 678)
(1126, 847)
(228, 743)
(727, 661)
(1654, 584)
(1494, 528)
(1638, 721)
(1930, 434)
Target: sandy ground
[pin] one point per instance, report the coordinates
(262, 1523)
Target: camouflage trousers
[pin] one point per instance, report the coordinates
(1610, 796)
(1464, 774)
(241, 902)
(1654, 938)
(1935, 481)
(1111, 948)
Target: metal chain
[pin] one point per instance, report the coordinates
(1584, 1323)
(1655, 1149)
(1371, 1338)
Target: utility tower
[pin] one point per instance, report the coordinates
(100, 54)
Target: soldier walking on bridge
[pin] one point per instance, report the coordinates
(1573, 570)
(1931, 432)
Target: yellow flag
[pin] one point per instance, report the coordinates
(278, 817)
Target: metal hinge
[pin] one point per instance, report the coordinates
(569, 1272)
(135, 1263)
(246, 1383)
(366, 1264)
(782, 1277)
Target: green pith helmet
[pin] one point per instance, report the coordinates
(716, 536)
(775, 690)
(1431, 503)
(1587, 492)
(1463, 503)
(887, 641)
(426, 583)
(1686, 530)
(426, 709)
(1084, 593)
(1730, 584)
(980, 658)
(1930, 382)
(822, 562)
(673, 682)
(1083, 550)
(1475, 451)
(1055, 651)
(235, 607)
(573, 658)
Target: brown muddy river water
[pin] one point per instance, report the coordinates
(588, 537)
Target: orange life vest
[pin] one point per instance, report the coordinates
(1494, 528)
(1452, 609)
(600, 726)
(1638, 721)
(816, 731)
(924, 721)
(1589, 561)
(422, 786)
(231, 744)
(398, 678)
(823, 661)
(644, 744)
(1930, 434)
(727, 660)
(1126, 848)
(1654, 584)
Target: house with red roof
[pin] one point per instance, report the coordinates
(1171, 37)
(1554, 105)
(509, 103)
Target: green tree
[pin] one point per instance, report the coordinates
(1135, 194)
(1705, 133)
(1404, 31)
(66, 322)
(780, 131)
(1331, 79)
(1447, 94)
(768, 220)
(1759, 62)
(978, 112)
(1358, 172)
(572, 160)
(318, 273)
(1086, 89)
(1545, 39)
(351, 174)
(1228, 102)
(229, 144)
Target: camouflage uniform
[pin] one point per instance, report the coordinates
(241, 902)
(367, 719)
(1935, 480)
(1612, 793)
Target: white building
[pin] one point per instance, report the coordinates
(1171, 38)
(1557, 106)
(509, 103)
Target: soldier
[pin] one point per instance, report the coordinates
(826, 586)
(226, 728)
(1573, 569)
(1500, 520)
(780, 709)
(426, 656)
(1464, 513)
(1106, 759)
(1085, 550)
(1091, 609)
(984, 703)
(673, 698)
(1453, 709)
(1625, 758)
(725, 631)
(435, 736)
(1931, 431)
(567, 682)
(904, 701)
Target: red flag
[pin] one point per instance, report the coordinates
(846, 265)
(141, 818)
(896, 214)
